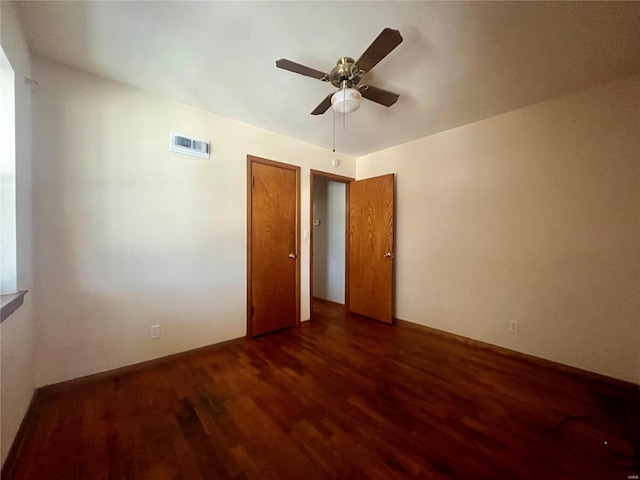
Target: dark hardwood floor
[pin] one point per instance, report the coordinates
(339, 398)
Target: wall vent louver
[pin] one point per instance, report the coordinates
(191, 146)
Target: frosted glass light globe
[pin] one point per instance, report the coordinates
(346, 100)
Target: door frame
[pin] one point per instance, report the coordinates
(340, 179)
(250, 161)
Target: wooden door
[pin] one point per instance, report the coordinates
(273, 264)
(371, 247)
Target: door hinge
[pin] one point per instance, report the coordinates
(253, 182)
(253, 310)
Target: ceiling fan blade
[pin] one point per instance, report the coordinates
(378, 95)
(380, 48)
(301, 69)
(323, 106)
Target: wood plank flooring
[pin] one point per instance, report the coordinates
(340, 398)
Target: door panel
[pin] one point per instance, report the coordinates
(371, 247)
(273, 253)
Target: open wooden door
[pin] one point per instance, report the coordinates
(273, 293)
(371, 247)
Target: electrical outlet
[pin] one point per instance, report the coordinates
(513, 326)
(155, 331)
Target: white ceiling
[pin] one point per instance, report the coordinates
(459, 62)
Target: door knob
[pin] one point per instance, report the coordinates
(292, 255)
(388, 255)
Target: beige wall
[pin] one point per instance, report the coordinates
(16, 332)
(129, 234)
(17, 373)
(531, 216)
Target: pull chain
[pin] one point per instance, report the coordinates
(344, 102)
(334, 131)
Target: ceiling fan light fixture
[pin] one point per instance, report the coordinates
(346, 100)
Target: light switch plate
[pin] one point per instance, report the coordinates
(155, 331)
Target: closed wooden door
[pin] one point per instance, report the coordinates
(371, 247)
(273, 247)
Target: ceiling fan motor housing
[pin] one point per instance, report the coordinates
(346, 73)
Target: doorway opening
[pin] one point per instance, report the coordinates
(329, 240)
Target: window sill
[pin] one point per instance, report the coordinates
(10, 303)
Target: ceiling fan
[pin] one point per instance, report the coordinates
(347, 74)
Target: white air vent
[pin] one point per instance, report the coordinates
(191, 146)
